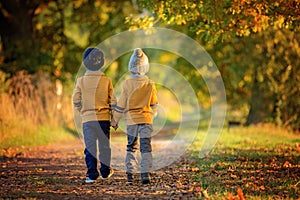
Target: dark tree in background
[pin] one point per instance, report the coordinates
(47, 35)
(17, 33)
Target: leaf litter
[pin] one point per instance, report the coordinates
(58, 172)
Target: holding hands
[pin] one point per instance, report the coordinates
(114, 124)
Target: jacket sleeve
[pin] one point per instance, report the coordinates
(77, 96)
(111, 96)
(154, 100)
(119, 109)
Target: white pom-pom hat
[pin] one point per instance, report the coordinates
(138, 63)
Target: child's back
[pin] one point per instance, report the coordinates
(139, 99)
(96, 96)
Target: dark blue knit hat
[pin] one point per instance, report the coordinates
(93, 58)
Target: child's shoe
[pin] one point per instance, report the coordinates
(109, 175)
(145, 178)
(89, 180)
(129, 178)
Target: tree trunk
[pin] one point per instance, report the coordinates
(258, 107)
(16, 31)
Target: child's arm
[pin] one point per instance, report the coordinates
(112, 103)
(119, 109)
(153, 100)
(77, 96)
(111, 96)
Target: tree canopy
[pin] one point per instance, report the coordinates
(255, 45)
(216, 20)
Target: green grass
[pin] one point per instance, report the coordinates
(35, 136)
(262, 161)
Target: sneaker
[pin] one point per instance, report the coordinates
(145, 178)
(89, 180)
(129, 178)
(109, 175)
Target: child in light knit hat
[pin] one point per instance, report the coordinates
(93, 98)
(138, 102)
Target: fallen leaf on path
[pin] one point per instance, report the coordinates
(240, 194)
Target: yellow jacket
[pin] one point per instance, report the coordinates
(93, 96)
(138, 101)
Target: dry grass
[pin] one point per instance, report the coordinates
(28, 103)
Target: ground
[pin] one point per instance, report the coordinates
(246, 163)
(58, 172)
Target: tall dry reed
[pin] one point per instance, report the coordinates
(31, 101)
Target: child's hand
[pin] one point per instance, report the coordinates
(114, 124)
(115, 127)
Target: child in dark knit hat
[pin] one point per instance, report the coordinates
(93, 98)
(138, 102)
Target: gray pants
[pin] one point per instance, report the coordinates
(144, 132)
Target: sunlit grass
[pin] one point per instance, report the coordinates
(264, 135)
(263, 161)
(41, 135)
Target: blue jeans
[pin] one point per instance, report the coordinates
(94, 131)
(143, 131)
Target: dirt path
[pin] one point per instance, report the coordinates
(58, 172)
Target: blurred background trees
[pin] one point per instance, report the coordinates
(255, 44)
(51, 35)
